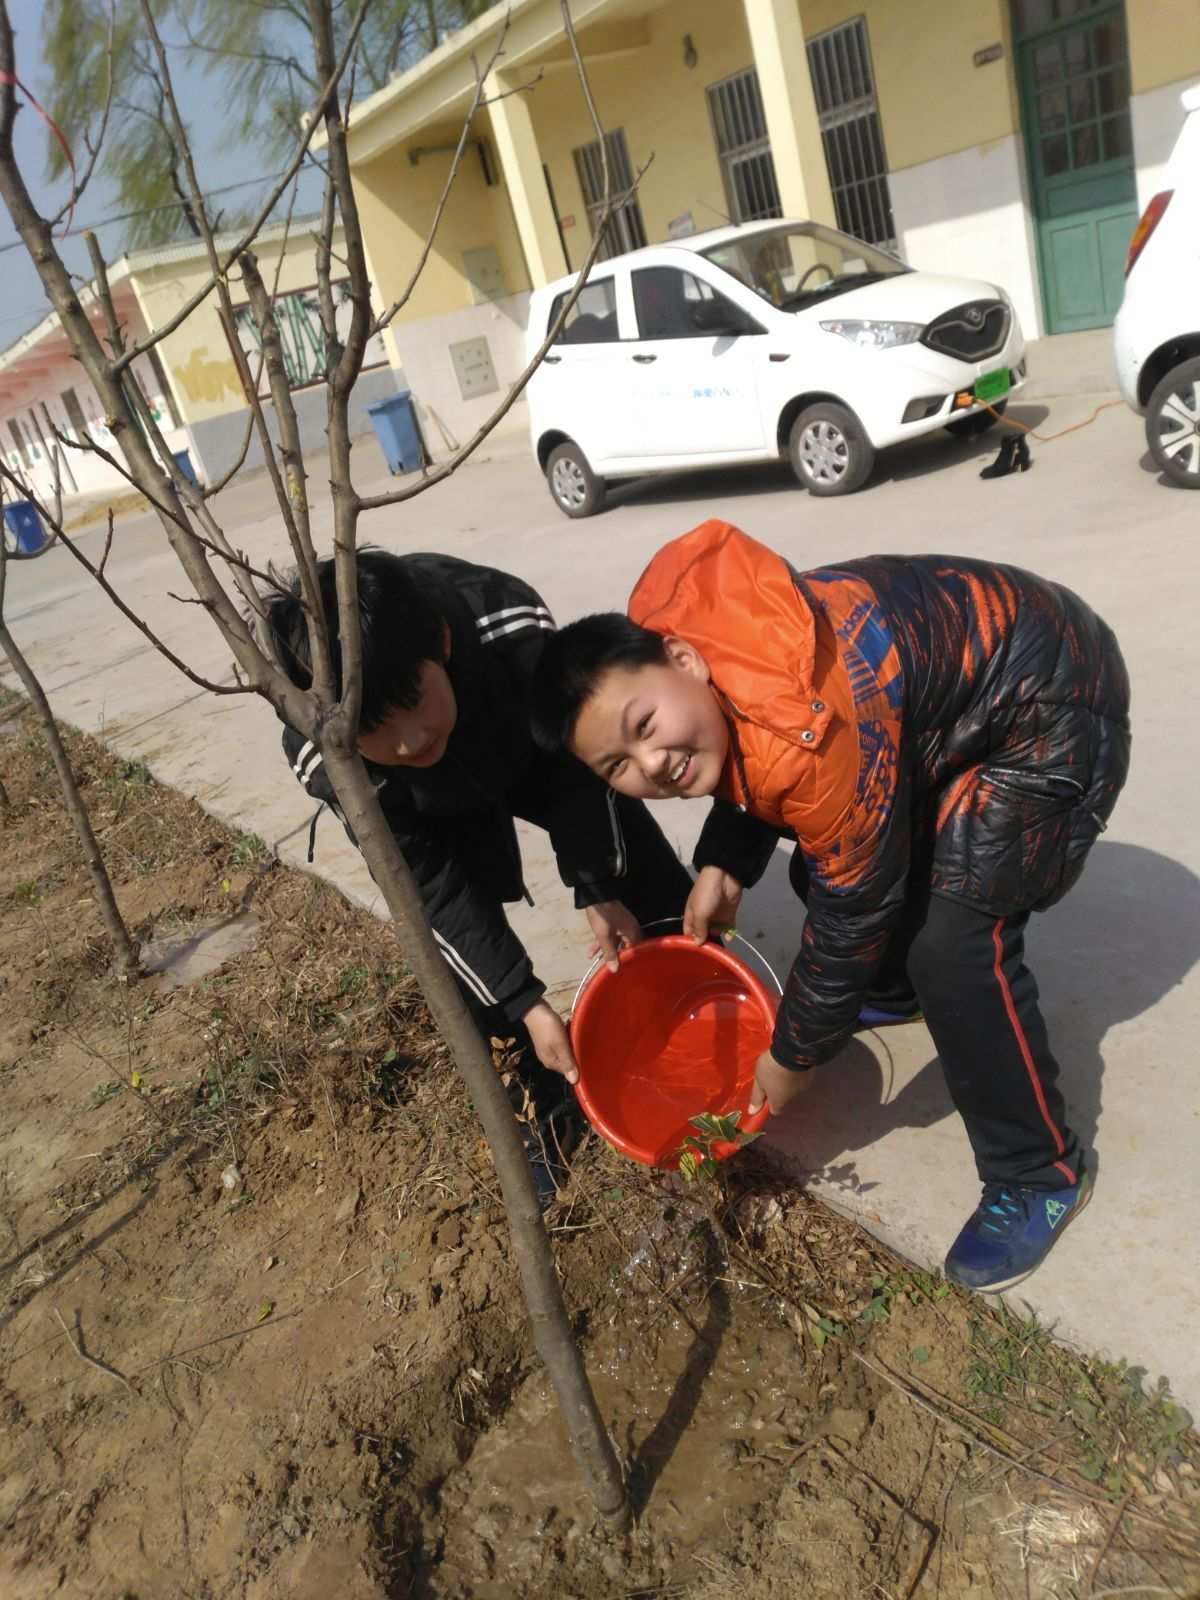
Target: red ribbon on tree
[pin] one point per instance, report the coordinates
(11, 77)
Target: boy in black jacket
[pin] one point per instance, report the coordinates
(449, 653)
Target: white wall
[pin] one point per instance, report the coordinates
(966, 214)
(423, 349)
(1157, 118)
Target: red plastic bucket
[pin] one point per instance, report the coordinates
(675, 1031)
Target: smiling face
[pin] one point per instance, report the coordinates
(416, 737)
(655, 732)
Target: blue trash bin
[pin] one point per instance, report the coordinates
(396, 428)
(183, 460)
(25, 526)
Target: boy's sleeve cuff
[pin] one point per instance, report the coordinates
(520, 1003)
(595, 891)
(786, 1054)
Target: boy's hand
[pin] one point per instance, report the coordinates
(776, 1085)
(551, 1042)
(714, 899)
(615, 928)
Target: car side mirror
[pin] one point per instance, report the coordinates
(716, 318)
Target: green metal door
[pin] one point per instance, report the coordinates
(1073, 62)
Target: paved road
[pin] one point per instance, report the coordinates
(877, 1134)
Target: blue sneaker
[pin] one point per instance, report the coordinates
(1011, 1232)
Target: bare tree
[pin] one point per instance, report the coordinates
(125, 951)
(212, 566)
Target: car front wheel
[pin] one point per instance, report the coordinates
(574, 487)
(829, 450)
(1173, 424)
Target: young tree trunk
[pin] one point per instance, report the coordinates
(124, 949)
(548, 1318)
(317, 713)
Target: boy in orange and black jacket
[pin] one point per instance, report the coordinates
(944, 739)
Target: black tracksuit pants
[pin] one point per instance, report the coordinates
(655, 886)
(980, 1002)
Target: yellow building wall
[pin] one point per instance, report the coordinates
(661, 104)
(397, 201)
(933, 100)
(1164, 42)
(198, 361)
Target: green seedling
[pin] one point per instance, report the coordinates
(696, 1158)
(248, 849)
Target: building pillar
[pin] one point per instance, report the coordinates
(781, 60)
(521, 164)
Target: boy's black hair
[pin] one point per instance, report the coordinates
(401, 628)
(572, 664)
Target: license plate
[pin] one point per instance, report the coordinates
(993, 385)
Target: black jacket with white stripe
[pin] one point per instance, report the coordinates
(454, 821)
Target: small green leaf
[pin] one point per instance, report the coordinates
(920, 1354)
(265, 1310)
(225, 886)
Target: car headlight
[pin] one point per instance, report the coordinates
(876, 335)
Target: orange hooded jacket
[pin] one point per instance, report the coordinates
(814, 711)
(971, 710)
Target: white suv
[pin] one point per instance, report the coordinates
(769, 340)
(1157, 331)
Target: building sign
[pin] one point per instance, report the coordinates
(991, 52)
(298, 318)
(473, 367)
(682, 226)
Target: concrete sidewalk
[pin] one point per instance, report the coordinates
(876, 1137)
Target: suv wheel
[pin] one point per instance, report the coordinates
(574, 487)
(829, 451)
(978, 422)
(1173, 424)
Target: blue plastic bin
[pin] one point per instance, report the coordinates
(395, 424)
(183, 461)
(25, 526)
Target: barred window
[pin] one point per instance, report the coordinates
(624, 230)
(747, 166)
(844, 87)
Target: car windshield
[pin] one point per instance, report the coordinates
(802, 264)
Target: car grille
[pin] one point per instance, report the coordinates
(969, 332)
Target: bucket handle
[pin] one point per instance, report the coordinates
(667, 922)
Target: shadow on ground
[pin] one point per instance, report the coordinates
(1126, 936)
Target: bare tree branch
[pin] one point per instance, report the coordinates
(459, 150)
(79, 186)
(126, 951)
(410, 491)
(97, 572)
(255, 414)
(252, 232)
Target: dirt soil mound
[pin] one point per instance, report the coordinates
(261, 1334)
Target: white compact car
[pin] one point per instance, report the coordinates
(1157, 331)
(752, 343)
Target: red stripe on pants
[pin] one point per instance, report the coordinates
(1026, 1056)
